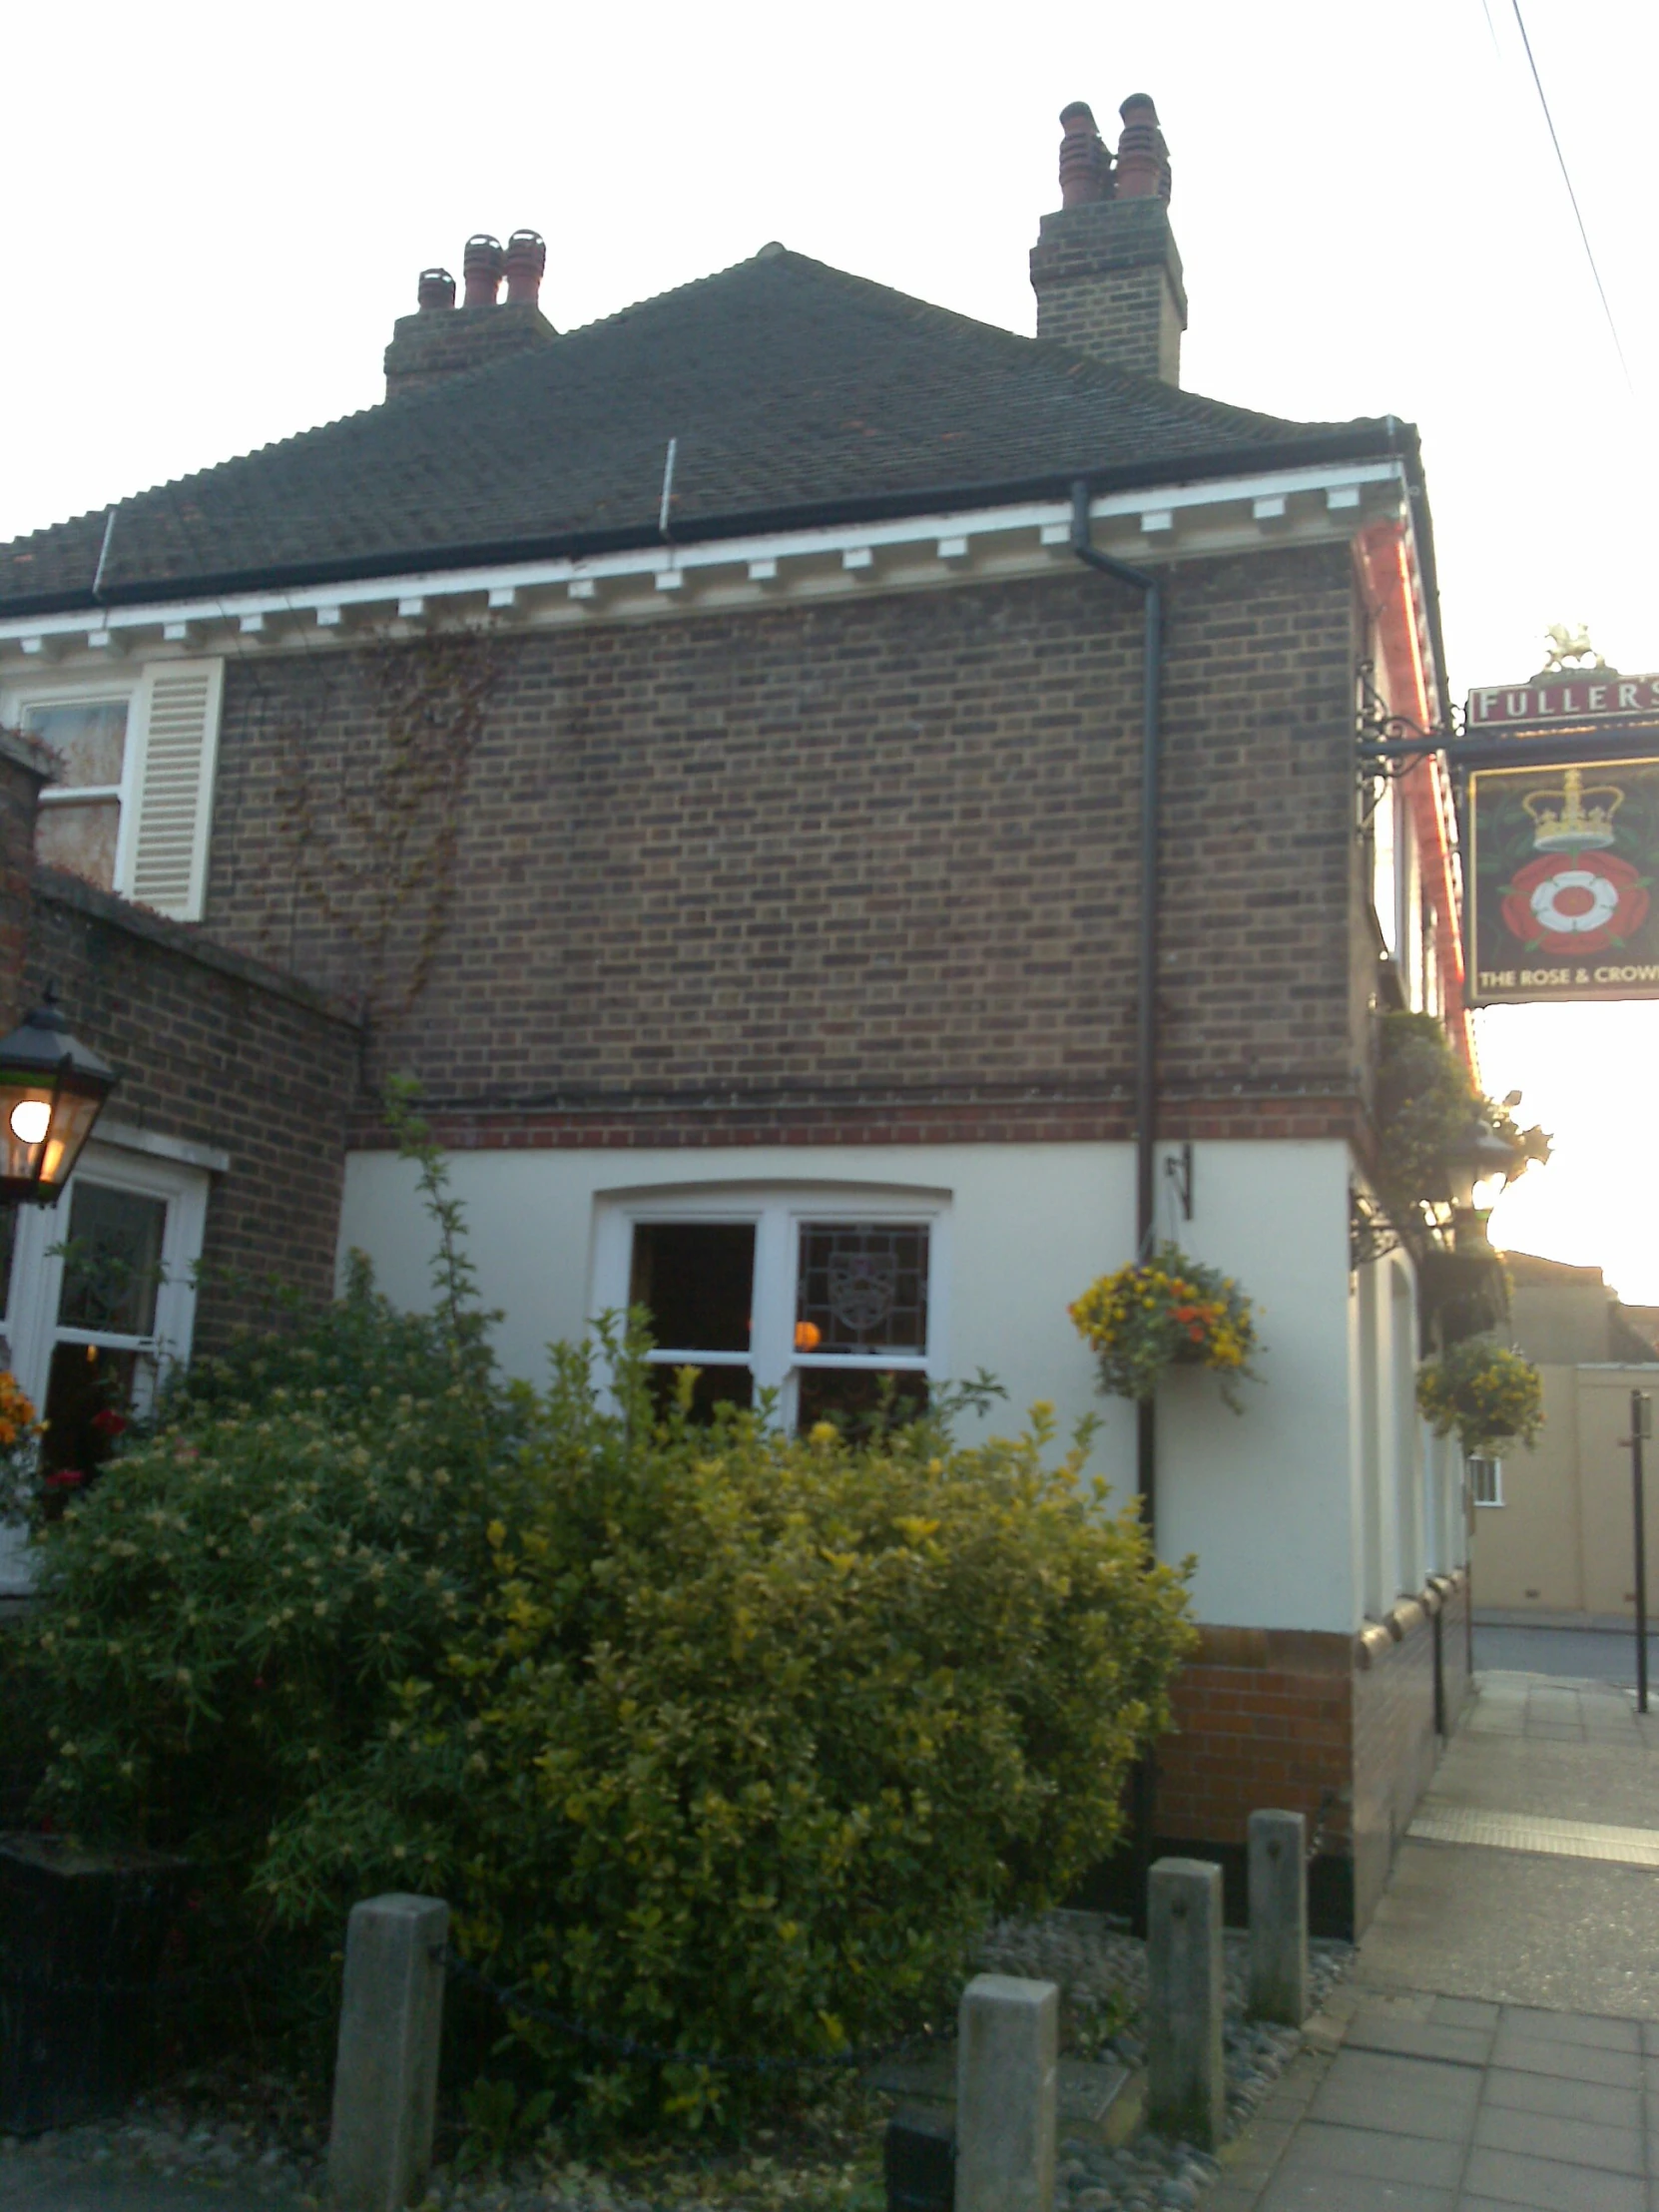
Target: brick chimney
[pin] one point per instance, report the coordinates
(1104, 267)
(440, 339)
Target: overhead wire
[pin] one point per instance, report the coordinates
(1566, 178)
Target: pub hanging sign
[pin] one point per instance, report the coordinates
(1564, 900)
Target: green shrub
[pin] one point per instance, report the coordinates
(721, 1739)
(755, 1733)
(221, 1618)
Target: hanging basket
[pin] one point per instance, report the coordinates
(1167, 1312)
(1485, 1393)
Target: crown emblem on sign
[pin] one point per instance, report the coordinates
(1563, 822)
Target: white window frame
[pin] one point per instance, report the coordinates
(31, 1297)
(14, 712)
(1495, 1464)
(37, 1271)
(776, 1211)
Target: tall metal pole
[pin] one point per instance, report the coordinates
(1641, 1426)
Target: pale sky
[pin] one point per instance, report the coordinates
(213, 215)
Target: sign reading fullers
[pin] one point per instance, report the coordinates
(1565, 903)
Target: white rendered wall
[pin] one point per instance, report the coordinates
(1265, 1498)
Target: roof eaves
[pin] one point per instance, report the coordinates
(1360, 440)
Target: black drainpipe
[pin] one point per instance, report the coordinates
(1146, 1016)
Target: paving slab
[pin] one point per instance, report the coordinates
(1496, 2048)
(1592, 2101)
(1365, 2151)
(1551, 2186)
(1621, 2150)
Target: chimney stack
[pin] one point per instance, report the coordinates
(1105, 269)
(441, 339)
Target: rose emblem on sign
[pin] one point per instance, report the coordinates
(1575, 902)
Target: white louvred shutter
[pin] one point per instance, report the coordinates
(174, 799)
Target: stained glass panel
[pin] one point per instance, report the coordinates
(862, 1288)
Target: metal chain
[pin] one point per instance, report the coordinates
(653, 2054)
(52, 1985)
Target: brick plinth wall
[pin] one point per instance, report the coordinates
(1342, 1729)
(218, 1051)
(1263, 1717)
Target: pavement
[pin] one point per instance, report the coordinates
(1497, 2044)
(1569, 1645)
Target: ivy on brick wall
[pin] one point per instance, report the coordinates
(372, 820)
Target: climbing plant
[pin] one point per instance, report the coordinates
(372, 778)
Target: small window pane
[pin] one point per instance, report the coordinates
(713, 1386)
(858, 1399)
(1486, 1481)
(112, 1261)
(696, 1280)
(862, 1288)
(89, 1392)
(80, 838)
(89, 740)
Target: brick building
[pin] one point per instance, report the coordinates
(716, 749)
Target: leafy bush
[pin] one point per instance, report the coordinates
(221, 1619)
(1485, 1393)
(1167, 1312)
(722, 1739)
(754, 1733)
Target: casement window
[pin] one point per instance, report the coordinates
(100, 1299)
(1485, 1479)
(130, 802)
(833, 1301)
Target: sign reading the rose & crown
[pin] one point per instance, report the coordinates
(1565, 896)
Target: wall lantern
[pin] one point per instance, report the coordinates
(52, 1090)
(1482, 1157)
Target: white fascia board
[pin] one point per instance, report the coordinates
(1044, 519)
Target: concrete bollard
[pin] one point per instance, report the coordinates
(386, 2073)
(1007, 2066)
(1186, 2085)
(1279, 1918)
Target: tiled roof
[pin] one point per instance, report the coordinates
(794, 392)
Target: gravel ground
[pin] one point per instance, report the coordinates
(1102, 1970)
(260, 2130)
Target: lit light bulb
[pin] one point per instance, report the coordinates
(31, 1118)
(1487, 1192)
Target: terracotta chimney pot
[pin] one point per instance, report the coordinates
(481, 265)
(436, 292)
(1085, 165)
(526, 260)
(1143, 158)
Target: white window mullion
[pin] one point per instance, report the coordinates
(772, 1342)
